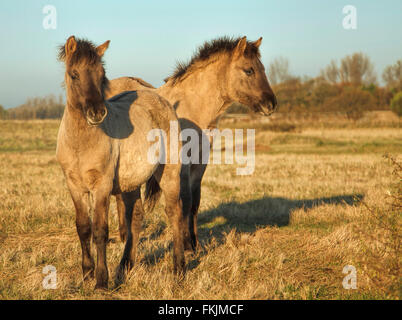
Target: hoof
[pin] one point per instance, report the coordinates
(101, 286)
(190, 246)
(179, 271)
(120, 276)
(180, 276)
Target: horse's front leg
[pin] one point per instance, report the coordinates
(83, 224)
(134, 214)
(101, 199)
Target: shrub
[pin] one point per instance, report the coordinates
(3, 113)
(381, 237)
(396, 104)
(353, 101)
(238, 108)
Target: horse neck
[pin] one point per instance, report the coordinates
(201, 96)
(74, 120)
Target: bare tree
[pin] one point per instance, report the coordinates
(357, 69)
(331, 73)
(279, 70)
(38, 108)
(392, 75)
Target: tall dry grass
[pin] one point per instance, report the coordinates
(285, 232)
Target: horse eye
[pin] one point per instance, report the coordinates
(74, 75)
(249, 72)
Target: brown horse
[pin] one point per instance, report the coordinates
(222, 71)
(102, 148)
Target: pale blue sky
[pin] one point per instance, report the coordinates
(148, 37)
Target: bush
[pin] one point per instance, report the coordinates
(396, 104)
(238, 108)
(3, 113)
(381, 237)
(353, 101)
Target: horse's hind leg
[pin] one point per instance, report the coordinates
(134, 214)
(121, 211)
(177, 211)
(197, 172)
(186, 197)
(83, 224)
(195, 204)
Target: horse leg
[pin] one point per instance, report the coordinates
(197, 172)
(134, 214)
(100, 236)
(177, 213)
(83, 224)
(195, 204)
(185, 195)
(121, 211)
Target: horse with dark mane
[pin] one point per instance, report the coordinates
(221, 72)
(102, 148)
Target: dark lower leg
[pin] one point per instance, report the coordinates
(101, 234)
(174, 212)
(196, 197)
(121, 211)
(134, 215)
(186, 200)
(84, 230)
(84, 233)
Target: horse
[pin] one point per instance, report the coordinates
(221, 72)
(102, 148)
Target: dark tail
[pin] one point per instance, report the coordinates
(152, 194)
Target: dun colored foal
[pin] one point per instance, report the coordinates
(102, 148)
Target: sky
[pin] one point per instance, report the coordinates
(149, 37)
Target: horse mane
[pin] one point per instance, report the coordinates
(223, 44)
(86, 51)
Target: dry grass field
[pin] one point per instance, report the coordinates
(320, 199)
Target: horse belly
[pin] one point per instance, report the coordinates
(134, 167)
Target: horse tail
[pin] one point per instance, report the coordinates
(152, 194)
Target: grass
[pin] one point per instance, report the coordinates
(286, 232)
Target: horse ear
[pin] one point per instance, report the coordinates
(70, 46)
(258, 42)
(240, 48)
(102, 48)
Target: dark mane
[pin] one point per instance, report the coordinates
(209, 48)
(86, 51)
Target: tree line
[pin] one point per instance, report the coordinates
(349, 86)
(48, 107)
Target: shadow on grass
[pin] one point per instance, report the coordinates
(249, 216)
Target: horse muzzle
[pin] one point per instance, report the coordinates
(95, 118)
(268, 106)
